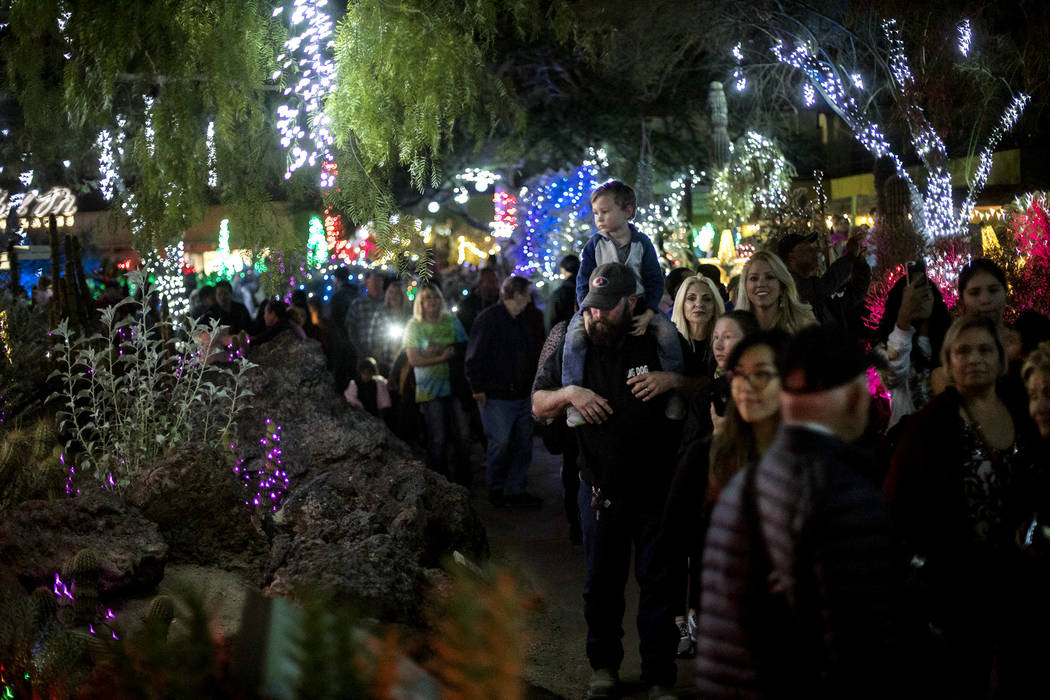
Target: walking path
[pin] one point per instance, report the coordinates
(536, 542)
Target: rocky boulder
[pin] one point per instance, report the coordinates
(363, 518)
(37, 537)
(198, 502)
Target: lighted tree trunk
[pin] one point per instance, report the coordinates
(895, 238)
(716, 105)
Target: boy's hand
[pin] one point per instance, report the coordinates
(641, 322)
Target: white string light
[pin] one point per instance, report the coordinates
(481, 178)
(213, 175)
(937, 215)
(965, 35)
(809, 94)
(309, 76)
(148, 129)
(111, 150)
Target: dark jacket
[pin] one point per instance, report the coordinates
(501, 354)
(926, 493)
(838, 296)
(799, 588)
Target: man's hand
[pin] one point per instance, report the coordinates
(641, 322)
(652, 384)
(591, 406)
(480, 398)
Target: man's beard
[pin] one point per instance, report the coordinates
(606, 333)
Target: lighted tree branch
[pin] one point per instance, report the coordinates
(937, 214)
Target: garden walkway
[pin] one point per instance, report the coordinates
(537, 542)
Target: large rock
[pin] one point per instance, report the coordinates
(374, 574)
(296, 391)
(198, 502)
(37, 537)
(363, 519)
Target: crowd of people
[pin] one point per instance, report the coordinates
(813, 507)
(797, 533)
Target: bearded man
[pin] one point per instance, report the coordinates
(627, 449)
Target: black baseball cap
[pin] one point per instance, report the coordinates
(607, 285)
(788, 243)
(820, 358)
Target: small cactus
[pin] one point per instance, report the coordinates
(82, 572)
(158, 619)
(17, 449)
(44, 438)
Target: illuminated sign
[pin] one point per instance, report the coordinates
(34, 208)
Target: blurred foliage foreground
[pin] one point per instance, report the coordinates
(63, 643)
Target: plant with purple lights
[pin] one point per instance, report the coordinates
(128, 396)
(267, 485)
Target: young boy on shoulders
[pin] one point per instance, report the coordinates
(617, 240)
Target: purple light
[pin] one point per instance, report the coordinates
(60, 589)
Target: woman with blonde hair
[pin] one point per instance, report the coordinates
(767, 290)
(697, 306)
(431, 339)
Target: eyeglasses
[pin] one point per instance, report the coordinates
(758, 379)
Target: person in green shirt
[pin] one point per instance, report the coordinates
(430, 341)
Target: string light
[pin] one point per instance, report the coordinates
(739, 81)
(269, 485)
(505, 219)
(482, 179)
(3, 335)
(317, 244)
(809, 95)
(168, 274)
(111, 150)
(308, 74)
(329, 171)
(965, 35)
(557, 216)
(213, 175)
(148, 128)
(759, 165)
(936, 215)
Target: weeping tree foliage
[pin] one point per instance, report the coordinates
(410, 76)
(421, 82)
(158, 73)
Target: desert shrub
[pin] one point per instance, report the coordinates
(141, 387)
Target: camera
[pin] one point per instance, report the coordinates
(720, 397)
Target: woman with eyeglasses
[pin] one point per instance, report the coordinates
(753, 414)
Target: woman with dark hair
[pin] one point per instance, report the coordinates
(753, 414)
(956, 483)
(752, 417)
(276, 321)
(910, 334)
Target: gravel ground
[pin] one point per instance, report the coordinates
(537, 542)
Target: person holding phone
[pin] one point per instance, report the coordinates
(914, 321)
